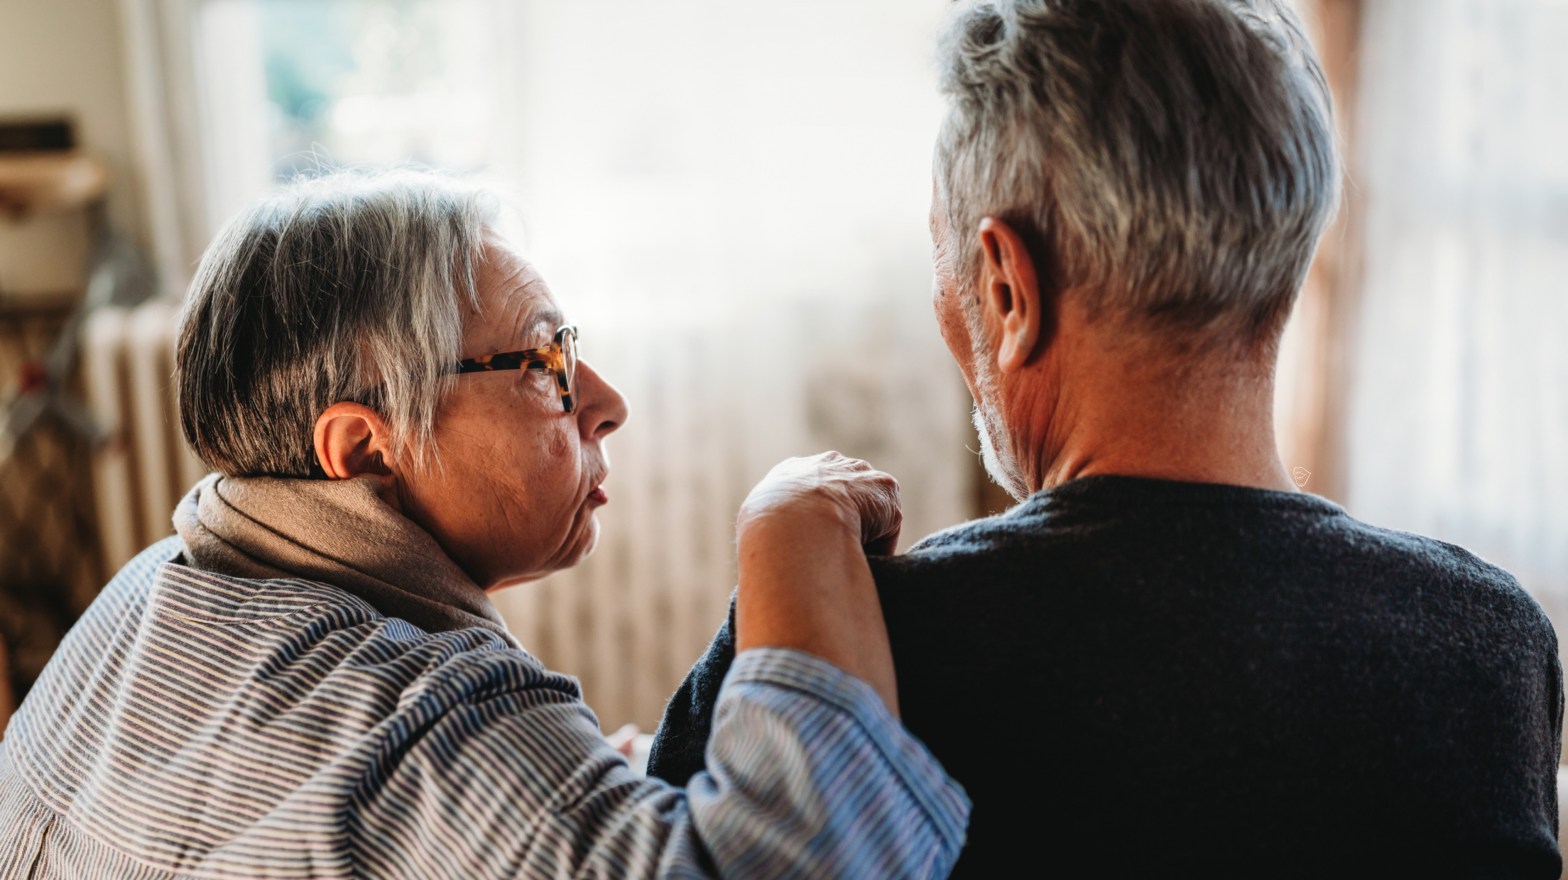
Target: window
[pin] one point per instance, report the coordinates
(1458, 424)
(293, 86)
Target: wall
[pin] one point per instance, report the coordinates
(65, 57)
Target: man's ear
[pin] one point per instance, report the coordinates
(351, 440)
(1010, 291)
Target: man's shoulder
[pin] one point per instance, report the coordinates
(959, 573)
(974, 539)
(1427, 553)
(1438, 572)
(1207, 534)
(1013, 548)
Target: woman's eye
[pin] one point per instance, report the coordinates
(536, 374)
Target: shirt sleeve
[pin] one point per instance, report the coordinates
(811, 776)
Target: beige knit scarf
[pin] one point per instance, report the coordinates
(336, 532)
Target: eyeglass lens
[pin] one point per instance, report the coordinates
(569, 356)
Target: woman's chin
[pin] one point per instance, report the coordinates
(580, 547)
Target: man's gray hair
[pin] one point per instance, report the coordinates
(1173, 159)
(346, 287)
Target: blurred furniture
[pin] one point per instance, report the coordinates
(51, 216)
(33, 183)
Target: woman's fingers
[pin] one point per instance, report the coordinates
(830, 484)
(875, 494)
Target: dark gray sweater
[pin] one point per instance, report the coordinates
(1177, 679)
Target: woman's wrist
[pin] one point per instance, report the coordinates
(804, 579)
(805, 584)
(801, 524)
(796, 577)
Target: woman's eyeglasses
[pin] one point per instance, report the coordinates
(559, 357)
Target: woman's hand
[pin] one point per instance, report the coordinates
(828, 488)
(803, 535)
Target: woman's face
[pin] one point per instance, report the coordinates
(518, 480)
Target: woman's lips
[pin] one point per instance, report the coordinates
(597, 496)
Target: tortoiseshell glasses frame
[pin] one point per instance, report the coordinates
(559, 357)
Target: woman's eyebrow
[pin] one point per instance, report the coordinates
(543, 322)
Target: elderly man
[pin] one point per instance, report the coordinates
(309, 680)
(1165, 661)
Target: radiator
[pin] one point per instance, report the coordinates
(714, 403)
(144, 466)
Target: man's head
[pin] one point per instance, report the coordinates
(322, 334)
(1166, 165)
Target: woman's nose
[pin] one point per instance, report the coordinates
(603, 408)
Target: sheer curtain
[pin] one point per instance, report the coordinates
(1458, 415)
(731, 200)
(161, 95)
(193, 77)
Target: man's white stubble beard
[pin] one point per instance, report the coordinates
(996, 448)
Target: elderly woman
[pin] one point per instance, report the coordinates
(309, 680)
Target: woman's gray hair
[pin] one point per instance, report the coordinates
(345, 287)
(1173, 159)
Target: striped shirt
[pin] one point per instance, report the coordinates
(198, 725)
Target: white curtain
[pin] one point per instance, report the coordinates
(160, 92)
(1458, 420)
(193, 82)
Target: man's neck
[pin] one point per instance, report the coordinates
(1136, 417)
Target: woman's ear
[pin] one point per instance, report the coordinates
(352, 440)
(1010, 291)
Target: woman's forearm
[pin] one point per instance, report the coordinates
(805, 584)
